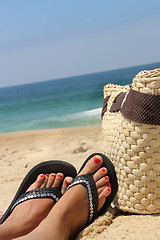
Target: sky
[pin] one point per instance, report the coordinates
(50, 39)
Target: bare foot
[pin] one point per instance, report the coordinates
(72, 211)
(28, 215)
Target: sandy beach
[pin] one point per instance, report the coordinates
(20, 151)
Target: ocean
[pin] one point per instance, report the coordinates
(68, 102)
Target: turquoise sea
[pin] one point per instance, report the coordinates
(67, 102)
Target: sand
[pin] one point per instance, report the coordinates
(20, 151)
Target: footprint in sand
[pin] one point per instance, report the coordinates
(82, 147)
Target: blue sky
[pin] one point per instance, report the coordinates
(50, 39)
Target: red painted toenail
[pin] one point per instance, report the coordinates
(47, 175)
(106, 177)
(53, 175)
(103, 169)
(96, 160)
(108, 184)
(66, 181)
(108, 189)
(42, 175)
(59, 175)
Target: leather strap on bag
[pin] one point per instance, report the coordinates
(116, 106)
(139, 107)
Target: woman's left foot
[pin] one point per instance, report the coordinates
(28, 215)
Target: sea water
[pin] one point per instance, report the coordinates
(68, 102)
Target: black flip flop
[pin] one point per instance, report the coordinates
(45, 167)
(88, 182)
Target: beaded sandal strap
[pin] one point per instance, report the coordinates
(87, 181)
(53, 193)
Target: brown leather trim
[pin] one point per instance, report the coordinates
(139, 107)
(142, 107)
(115, 106)
(104, 108)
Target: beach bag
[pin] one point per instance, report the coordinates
(131, 139)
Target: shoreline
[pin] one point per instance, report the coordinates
(20, 151)
(50, 129)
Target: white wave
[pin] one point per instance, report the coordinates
(84, 115)
(79, 115)
(93, 112)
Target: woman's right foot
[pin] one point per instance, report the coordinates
(71, 212)
(80, 199)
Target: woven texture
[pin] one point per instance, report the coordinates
(134, 149)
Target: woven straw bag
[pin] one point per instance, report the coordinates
(131, 137)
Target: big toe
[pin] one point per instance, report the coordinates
(92, 165)
(38, 183)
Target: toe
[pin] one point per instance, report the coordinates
(45, 181)
(38, 183)
(101, 182)
(51, 180)
(102, 197)
(92, 165)
(106, 192)
(66, 182)
(58, 179)
(99, 190)
(100, 173)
